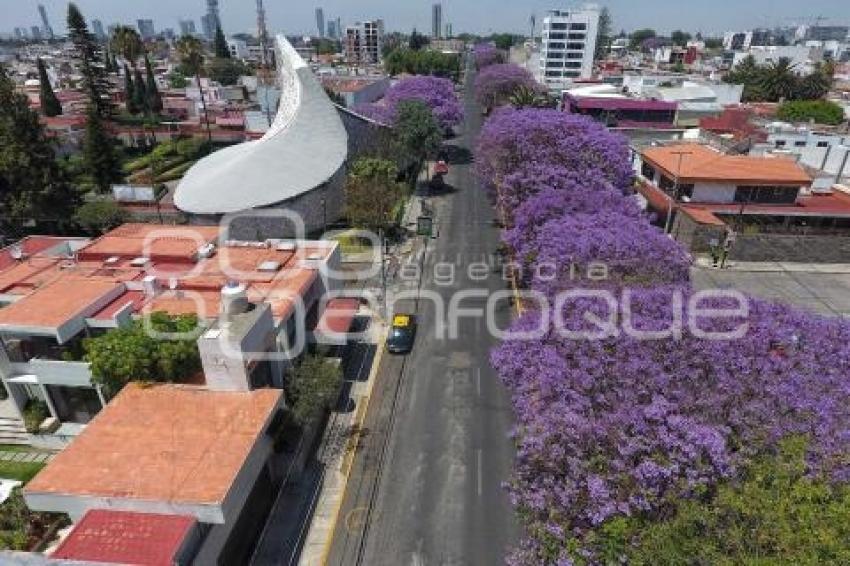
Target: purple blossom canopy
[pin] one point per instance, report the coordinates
(486, 55)
(437, 93)
(513, 139)
(623, 425)
(496, 83)
(634, 253)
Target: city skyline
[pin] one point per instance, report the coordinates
(475, 17)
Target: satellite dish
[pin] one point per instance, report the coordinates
(17, 252)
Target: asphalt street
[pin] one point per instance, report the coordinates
(427, 481)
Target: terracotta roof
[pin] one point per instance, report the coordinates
(123, 537)
(702, 216)
(56, 303)
(164, 443)
(700, 163)
(165, 243)
(338, 315)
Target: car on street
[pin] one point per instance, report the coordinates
(402, 334)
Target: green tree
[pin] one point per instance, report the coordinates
(603, 37)
(416, 134)
(191, 52)
(129, 92)
(504, 41)
(327, 46)
(417, 41)
(779, 81)
(140, 95)
(127, 43)
(19, 526)
(87, 55)
(371, 193)
(525, 97)
(154, 98)
(779, 514)
(820, 111)
(713, 43)
(680, 38)
(639, 36)
(100, 216)
(50, 105)
(314, 386)
(132, 353)
(227, 71)
(33, 185)
(220, 44)
(99, 155)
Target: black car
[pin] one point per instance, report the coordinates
(402, 334)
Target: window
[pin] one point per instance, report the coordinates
(666, 183)
(647, 171)
(557, 55)
(557, 45)
(686, 191)
(553, 73)
(575, 46)
(780, 143)
(799, 144)
(557, 36)
(577, 36)
(558, 26)
(572, 74)
(766, 194)
(578, 27)
(823, 144)
(573, 64)
(574, 55)
(555, 64)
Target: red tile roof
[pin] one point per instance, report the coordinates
(123, 537)
(338, 316)
(699, 163)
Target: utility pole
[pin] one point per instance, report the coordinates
(263, 36)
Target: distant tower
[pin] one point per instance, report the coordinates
(437, 21)
(533, 21)
(212, 19)
(320, 21)
(97, 29)
(48, 31)
(262, 32)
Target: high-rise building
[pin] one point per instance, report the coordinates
(211, 22)
(320, 21)
(437, 21)
(449, 34)
(827, 33)
(332, 34)
(110, 29)
(20, 33)
(568, 45)
(187, 27)
(97, 29)
(364, 42)
(48, 31)
(146, 29)
(36, 33)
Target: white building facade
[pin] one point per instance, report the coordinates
(568, 45)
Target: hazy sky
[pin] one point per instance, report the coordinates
(480, 16)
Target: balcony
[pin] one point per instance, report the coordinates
(54, 372)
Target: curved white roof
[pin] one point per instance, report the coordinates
(305, 146)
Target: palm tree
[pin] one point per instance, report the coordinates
(527, 97)
(779, 80)
(127, 42)
(191, 52)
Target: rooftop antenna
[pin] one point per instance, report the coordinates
(533, 21)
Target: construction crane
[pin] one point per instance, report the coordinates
(265, 71)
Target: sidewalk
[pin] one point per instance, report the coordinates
(37, 457)
(705, 262)
(337, 454)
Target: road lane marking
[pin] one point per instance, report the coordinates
(480, 475)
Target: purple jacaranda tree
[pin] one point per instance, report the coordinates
(495, 84)
(603, 249)
(626, 426)
(513, 139)
(486, 55)
(437, 93)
